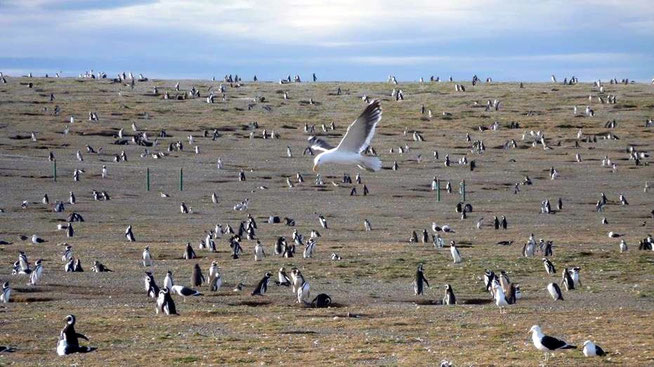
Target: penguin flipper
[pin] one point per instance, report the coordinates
(86, 349)
(82, 336)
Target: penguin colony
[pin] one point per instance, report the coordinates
(262, 252)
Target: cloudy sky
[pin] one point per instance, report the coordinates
(339, 40)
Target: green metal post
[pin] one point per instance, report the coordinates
(438, 190)
(147, 178)
(463, 190)
(181, 179)
(54, 171)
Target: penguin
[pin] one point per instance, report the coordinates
(489, 277)
(98, 267)
(165, 303)
(549, 267)
(68, 253)
(77, 267)
(456, 255)
(215, 280)
(183, 208)
(262, 287)
(321, 301)
(449, 298)
(567, 280)
(151, 287)
(504, 223)
(71, 199)
(574, 274)
(297, 279)
(168, 280)
(6, 293)
(420, 281)
(70, 232)
(129, 234)
(45, 199)
(283, 279)
(189, 253)
(366, 225)
(69, 339)
(555, 291)
(147, 257)
(197, 278)
(259, 253)
(500, 297)
(496, 222)
(70, 265)
(303, 293)
(214, 198)
(35, 275)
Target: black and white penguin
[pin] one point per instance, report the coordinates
(69, 339)
(262, 287)
(321, 301)
(567, 280)
(98, 267)
(70, 265)
(489, 277)
(283, 278)
(5, 293)
(420, 281)
(549, 267)
(151, 287)
(189, 253)
(215, 278)
(197, 278)
(35, 276)
(129, 234)
(147, 257)
(77, 267)
(168, 280)
(504, 223)
(297, 279)
(496, 222)
(165, 303)
(449, 298)
(456, 255)
(555, 291)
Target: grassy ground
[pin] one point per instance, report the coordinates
(376, 319)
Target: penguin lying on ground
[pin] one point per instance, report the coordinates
(69, 339)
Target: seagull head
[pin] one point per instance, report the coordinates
(535, 329)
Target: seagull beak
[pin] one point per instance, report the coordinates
(315, 168)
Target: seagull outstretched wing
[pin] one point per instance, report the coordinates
(359, 134)
(319, 144)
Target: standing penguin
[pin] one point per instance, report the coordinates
(35, 276)
(189, 253)
(259, 253)
(165, 303)
(297, 279)
(567, 280)
(262, 287)
(283, 279)
(197, 278)
(215, 280)
(549, 267)
(69, 339)
(496, 222)
(456, 255)
(6, 293)
(129, 234)
(449, 298)
(147, 257)
(168, 280)
(420, 282)
(151, 287)
(555, 291)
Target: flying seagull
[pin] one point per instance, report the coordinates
(356, 140)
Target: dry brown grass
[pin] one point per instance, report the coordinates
(373, 281)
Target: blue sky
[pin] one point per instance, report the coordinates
(362, 40)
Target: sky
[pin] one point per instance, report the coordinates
(362, 40)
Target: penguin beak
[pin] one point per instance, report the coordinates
(315, 168)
